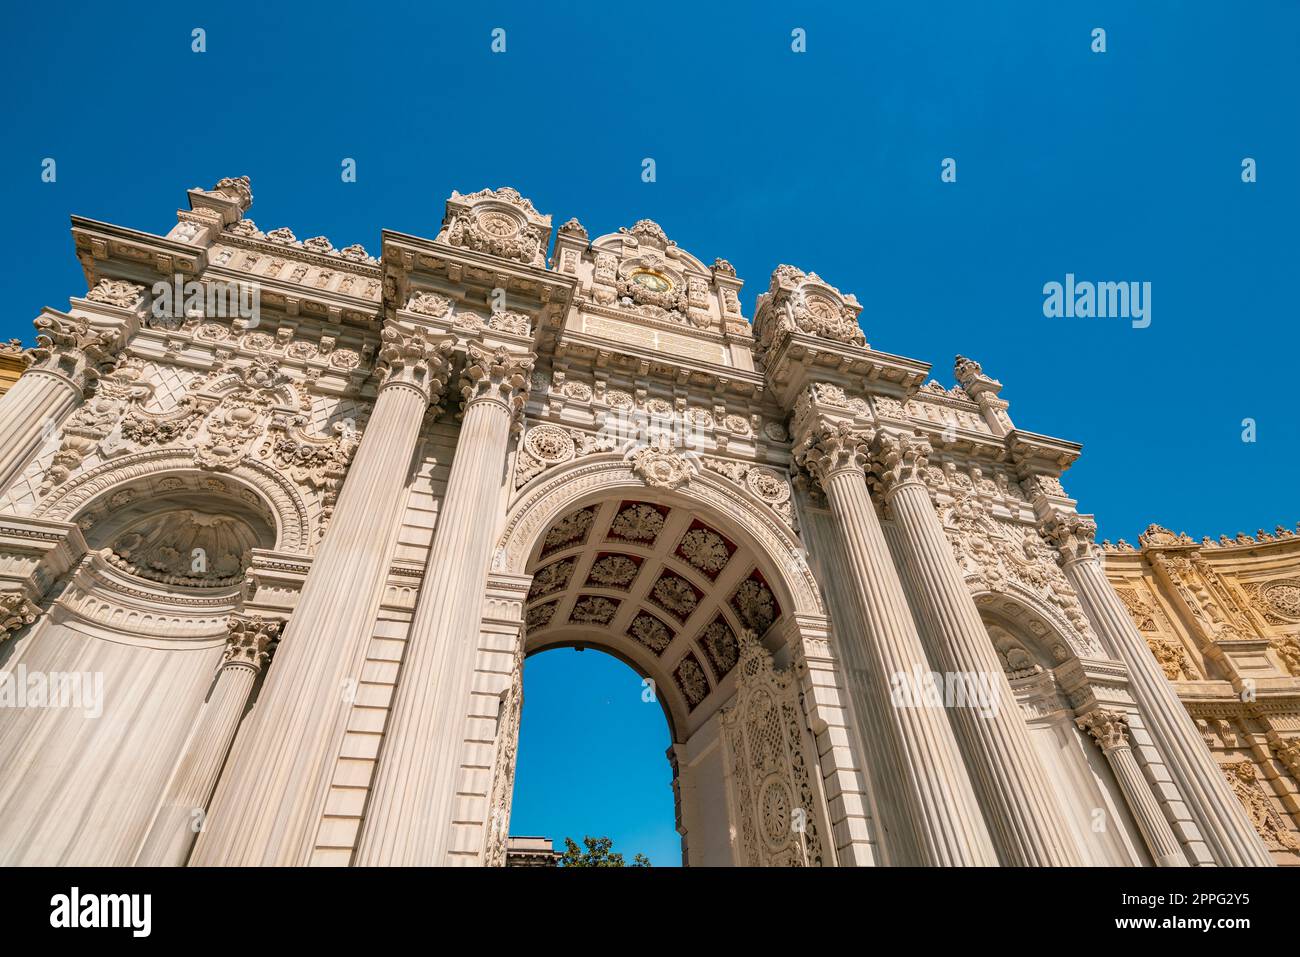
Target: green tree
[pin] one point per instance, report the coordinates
(598, 853)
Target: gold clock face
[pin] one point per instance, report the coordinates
(653, 281)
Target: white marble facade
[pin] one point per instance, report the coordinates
(303, 552)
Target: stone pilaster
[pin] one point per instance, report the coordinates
(938, 800)
(1223, 825)
(1110, 730)
(65, 364)
(180, 816)
(282, 764)
(1024, 819)
(410, 813)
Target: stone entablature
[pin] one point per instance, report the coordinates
(1222, 618)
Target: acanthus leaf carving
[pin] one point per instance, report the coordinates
(251, 640)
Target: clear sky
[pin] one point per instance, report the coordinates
(1117, 166)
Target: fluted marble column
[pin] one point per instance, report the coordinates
(172, 834)
(939, 802)
(1222, 821)
(408, 820)
(1025, 822)
(1110, 730)
(66, 360)
(269, 801)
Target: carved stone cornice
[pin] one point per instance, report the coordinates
(250, 641)
(899, 460)
(829, 449)
(462, 274)
(415, 360)
(1108, 728)
(496, 375)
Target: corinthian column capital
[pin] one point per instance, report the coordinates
(1072, 534)
(1108, 728)
(414, 360)
(496, 375)
(16, 611)
(69, 348)
(250, 641)
(898, 460)
(1288, 752)
(829, 449)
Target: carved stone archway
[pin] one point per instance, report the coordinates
(155, 472)
(660, 576)
(595, 478)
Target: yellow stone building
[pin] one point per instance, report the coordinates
(12, 363)
(1223, 619)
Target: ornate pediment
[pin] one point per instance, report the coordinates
(798, 301)
(499, 222)
(640, 274)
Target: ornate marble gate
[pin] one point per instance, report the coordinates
(406, 472)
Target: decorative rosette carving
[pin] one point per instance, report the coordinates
(658, 464)
(428, 303)
(116, 292)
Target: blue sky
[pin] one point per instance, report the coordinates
(1120, 166)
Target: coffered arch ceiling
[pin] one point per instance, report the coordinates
(658, 585)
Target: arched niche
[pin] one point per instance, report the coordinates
(162, 473)
(1048, 680)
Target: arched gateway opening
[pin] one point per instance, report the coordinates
(594, 756)
(682, 591)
